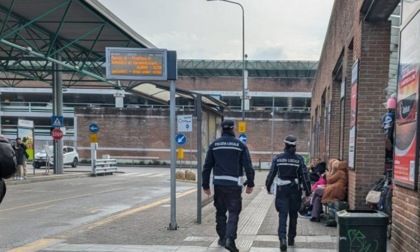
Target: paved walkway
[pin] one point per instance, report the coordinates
(145, 229)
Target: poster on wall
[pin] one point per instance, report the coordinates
(27, 136)
(406, 136)
(353, 113)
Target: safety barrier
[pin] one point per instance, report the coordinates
(105, 166)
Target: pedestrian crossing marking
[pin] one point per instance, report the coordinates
(148, 174)
(158, 175)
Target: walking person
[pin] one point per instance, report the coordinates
(289, 172)
(228, 157)
(7, 164)
(20, 149)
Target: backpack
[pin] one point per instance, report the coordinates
(7, 159)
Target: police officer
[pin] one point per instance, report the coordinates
(292, 174)
(228, 157)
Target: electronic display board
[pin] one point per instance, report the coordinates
(136, 64)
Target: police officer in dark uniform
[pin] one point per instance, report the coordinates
(289, 172)
(228, 157)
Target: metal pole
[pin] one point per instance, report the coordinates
(199, 160)
(172, 121)
(58, 111)
(243, 55)
(272, 130)
(243, 62)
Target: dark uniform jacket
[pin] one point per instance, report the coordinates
(289, 166)
(228, 157)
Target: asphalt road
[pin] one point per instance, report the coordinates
(34, 211)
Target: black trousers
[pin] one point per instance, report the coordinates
(288, 202)
(227, 199)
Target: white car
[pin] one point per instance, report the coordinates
(70, 157)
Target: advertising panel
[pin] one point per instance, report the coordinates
(406, 136)
(27, 136)
(353, 113)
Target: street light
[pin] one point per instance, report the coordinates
(243, 54)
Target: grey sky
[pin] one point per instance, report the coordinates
(198, 29)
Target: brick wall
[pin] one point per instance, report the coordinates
(145, 132)
(254, 84)
(349, 35)
(405, 219)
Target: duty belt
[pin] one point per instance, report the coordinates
(239, 180)
(281, 182)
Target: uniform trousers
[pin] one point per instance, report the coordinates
(288, 202)
(227, 199)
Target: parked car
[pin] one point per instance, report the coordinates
(70, 157)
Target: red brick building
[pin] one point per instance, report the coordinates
(357, 73)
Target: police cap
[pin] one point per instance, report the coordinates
(290, 140)
(227, 124)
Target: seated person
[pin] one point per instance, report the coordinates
(334, 190)
(306, 209)
(314, 162)
(316, 172)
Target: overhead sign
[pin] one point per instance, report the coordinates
(57, 121)
(57, 134)
(136, 64)
(93, 128)
(180, 139)
(184, 123)
(242, 137)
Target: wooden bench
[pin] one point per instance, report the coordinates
(104, 166)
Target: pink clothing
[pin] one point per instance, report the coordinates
(321, 181)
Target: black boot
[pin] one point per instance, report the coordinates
(283, 244)
(290, 241)
(230, 245)
(221, 242)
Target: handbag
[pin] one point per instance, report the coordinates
(373, 197)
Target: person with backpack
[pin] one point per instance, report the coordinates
(7, 164)
(388, 125)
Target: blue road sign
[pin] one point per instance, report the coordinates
(242, 137)
(57, 121)
(180, 139)
(93, 128)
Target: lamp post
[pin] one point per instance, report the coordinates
(243, 54)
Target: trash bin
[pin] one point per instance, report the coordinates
(362, 230)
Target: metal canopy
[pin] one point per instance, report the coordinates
(161, 93)
(257, 68)
(34, 33)
(378, 10)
